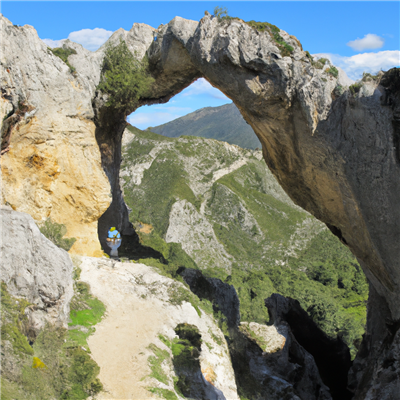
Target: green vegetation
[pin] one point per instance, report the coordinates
(55, 232)
(355, 88)
(14, 322)
(223, 123)
(155, 363)
(367, 77)
(285, 48)
(257, 225)
(164, 393)
(86, 311)
(50, 368)
(124, 77)
(221, 13)
(162, 183)
(319, 64)
(309, 56)
(333, 71)
(338, 91)
(262, 342)
(185, 360)
(333, 289)
(64, 53)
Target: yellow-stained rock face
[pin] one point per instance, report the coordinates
(53, 169)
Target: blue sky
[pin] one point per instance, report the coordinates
(358, 36)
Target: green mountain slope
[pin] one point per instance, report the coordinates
(223, 123)
(214, 206)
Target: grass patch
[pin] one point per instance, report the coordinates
(64, 53)
(162, 184)
(285, 48)
(164, 393)
(155, 362)
(86, 311)
(14, 322)
(46, 370)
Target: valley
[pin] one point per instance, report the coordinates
(219, 206)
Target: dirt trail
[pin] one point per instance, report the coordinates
(140, 307)
(120, 341)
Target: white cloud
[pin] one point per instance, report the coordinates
(355, 65)
(201, 86)
(53, 43)
(368, 42)
(144, 120)
(90, 39)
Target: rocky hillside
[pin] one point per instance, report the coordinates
(223, 123)
(220, 204)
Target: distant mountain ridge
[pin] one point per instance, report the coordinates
(224, 123)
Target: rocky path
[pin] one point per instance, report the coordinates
(137, 311)
(120, 341)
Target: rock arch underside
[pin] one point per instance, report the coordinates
(337, 155)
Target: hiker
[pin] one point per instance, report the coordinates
(114, 241)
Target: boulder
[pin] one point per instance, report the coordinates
(33, 267)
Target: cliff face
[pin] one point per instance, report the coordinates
(51, 162)
(336, 155)
(329, 155)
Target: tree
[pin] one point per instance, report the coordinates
(124, 77)
(221, 13)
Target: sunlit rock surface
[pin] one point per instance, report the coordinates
(36, 269)
(337, 156)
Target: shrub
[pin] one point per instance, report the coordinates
(309, 56)
(333, 71)
(221, 13)
(355, 88)
(338, 91)
(317, 64)
(64, 53)
(124, 77)
(367, 77)
(55, 232)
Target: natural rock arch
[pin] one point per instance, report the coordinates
(336, 155)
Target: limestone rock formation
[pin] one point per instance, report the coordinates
(336, 155)
(222, 295)
(36, 269)
(268, 361)
(331, 356)
(51, 167)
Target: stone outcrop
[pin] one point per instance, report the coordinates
(336, 155)
(51, 165)
(332, 356)
(269, 362)
(36, 269)
(222, 295)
